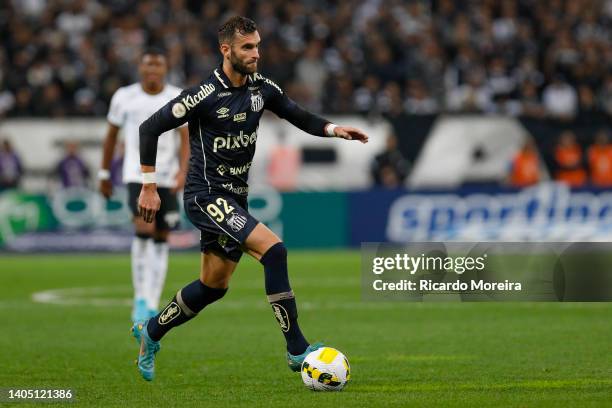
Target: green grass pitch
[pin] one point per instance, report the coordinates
(232, 354)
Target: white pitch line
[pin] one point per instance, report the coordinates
(90, 296)
(82, 296)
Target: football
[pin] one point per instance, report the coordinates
(326, 369)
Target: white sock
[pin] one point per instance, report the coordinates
(139, 267)
(158, 264)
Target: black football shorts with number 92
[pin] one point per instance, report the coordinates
(223, 220)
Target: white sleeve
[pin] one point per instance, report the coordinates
(116, 113)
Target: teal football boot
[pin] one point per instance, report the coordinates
(137, 327)
(136, 331)
(140, 312)
(295, 362)
(146, 356)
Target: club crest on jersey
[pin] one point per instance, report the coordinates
(257, 102)
(236, 222)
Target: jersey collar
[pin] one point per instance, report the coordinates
(224, 80)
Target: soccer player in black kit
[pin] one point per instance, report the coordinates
(223, 113)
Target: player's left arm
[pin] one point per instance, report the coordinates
(183, 159)
(161, 121)
(172, 115)
(286, 108)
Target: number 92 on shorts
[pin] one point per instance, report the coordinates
(224, 222)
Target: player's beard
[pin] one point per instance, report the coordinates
(238, 66)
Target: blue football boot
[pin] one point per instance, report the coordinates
(136, 331)
(146, 357)
(295, 362)
(140, 311)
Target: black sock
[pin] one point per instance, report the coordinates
(281, 297)
(184, 306)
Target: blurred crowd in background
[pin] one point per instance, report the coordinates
(532, 59)
(548, 58)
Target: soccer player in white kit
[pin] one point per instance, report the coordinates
(129, 107)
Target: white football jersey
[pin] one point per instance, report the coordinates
(129, 107)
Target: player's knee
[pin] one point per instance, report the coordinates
(215, 282)
(277, 253)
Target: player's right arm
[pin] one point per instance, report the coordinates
(116, 118)
(286, 108)
(172, 115)
(108, 150)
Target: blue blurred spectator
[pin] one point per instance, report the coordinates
(116, 167)
(10, 167)
(71, 169)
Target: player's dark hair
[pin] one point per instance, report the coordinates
(235, 24)
(153, 50)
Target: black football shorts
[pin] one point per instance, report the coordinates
(167, 218)
(223, 220)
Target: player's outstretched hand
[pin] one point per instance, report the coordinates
(106, 188)
(148, 202)
(350, 133)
